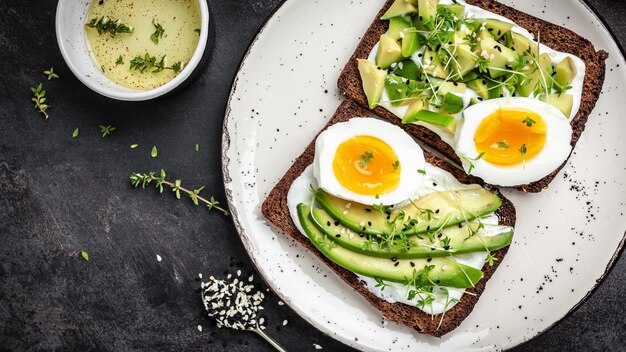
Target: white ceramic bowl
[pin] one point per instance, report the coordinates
(70, 30)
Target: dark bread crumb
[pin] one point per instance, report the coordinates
(275, 209)
(554, 36)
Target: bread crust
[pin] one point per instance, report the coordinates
(275, 210)
(552, 35)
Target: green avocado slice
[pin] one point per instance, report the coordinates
(435, 210)
(441, 271)
(468, 238)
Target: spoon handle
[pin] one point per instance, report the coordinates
(269, 340)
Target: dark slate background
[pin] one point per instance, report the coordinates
(60, 195)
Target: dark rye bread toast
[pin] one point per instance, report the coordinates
(275, 210)
(555, 37)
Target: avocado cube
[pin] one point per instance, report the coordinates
(426, 10)
(451, 87)
(497, 28)
(389, 51)
(499, 56)
(421, 103)
(479, 86)
(563, 102)
(534, 75)
(464, 62)
(410, 41)
(565, 71)
(457, 9)
(399, 8)
(373, 81)
(522, 45)
(432, 64)
(397, 25)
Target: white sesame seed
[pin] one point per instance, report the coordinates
(200, 275)
(345, 212)
(317, 347)
(261, 321)
(200, 328)
(348, 205)
(284, 322)
(238, 272)
(281, 303)
(158, 258)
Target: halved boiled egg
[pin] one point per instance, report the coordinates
(513, 141)
(368, 161)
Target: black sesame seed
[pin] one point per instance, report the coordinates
(396, 264)
(429, 260)
(336, 223)
(338, 235)
(369, 223)
(327, 223)
(437, 211)
(412, 264)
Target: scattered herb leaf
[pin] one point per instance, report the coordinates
(421, 172)
(119, 61)
(50, 74)
(106, 25)
(197, 147)
(503, 145)
(365, 158)
(158, 32)
(85, 255)
(75, 133)
(154, 152)
(106, 130)
(528, 121)
(133, 146)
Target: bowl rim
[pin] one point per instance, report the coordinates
(134, 95)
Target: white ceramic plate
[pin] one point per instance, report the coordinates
(566, 239)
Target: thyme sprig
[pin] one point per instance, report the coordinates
(39, 97)
(148, 62)
(50, 74)
(471, 161)
(145, 179)
(105, 25)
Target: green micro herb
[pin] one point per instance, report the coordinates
(145, 179)
(154, 152)
(421, 172)
(85, 255)
(75, 133)
(396, 165)
(482, 65)
(50, 74)
(528, 121)
(381, 284)
(147, 62)
(133, 146)
(471, 161)
(503, 145)
(106, 130)
(39, 97)
(365, 158)
(119, 61)
(158, 32)
(523, 149)
(197, 147)
(491, 259)
(106, 25)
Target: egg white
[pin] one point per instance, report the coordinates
(409, 153)
(555, 151)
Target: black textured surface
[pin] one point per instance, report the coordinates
(60, 195)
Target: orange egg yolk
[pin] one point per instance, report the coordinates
(366, 165)
(510, 136)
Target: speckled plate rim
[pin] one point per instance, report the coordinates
(244, 237)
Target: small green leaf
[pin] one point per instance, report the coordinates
(133, 146)
(85, 255)
(75, 133)
(197, 147)
(154, 152)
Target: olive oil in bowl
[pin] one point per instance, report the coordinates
(142, 44)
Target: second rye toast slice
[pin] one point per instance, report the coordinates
(275, 210)
(554, 36)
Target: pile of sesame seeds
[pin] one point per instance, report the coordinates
(233, 304)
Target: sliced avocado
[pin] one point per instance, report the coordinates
(411, 41)
(398, 90)
(420, 103)
(563, 102)
(464, 61)
(443, 271)
(399, 8)
(497, 28)
(408, 69)
(451, 103)
(451, 87)
(522, 45)
(533, 80)
(426, 10)
(440, 119)
(397, 25)
(457, 9)
(499, 56)
(470, 237)
(373, 81)
(479, 86)
(432, 65)
(432, 211)
(389, 51)
(565, 71)
(495, 90)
